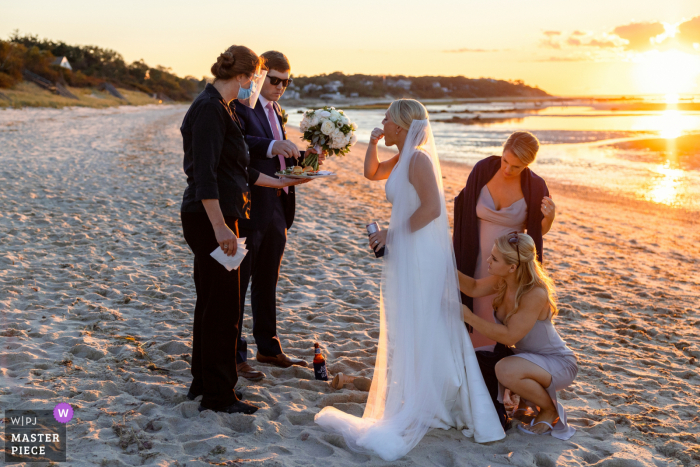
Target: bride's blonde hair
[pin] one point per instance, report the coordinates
(404, 111)
(529, 274)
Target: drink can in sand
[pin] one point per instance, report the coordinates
(320, 371)
(374, 228)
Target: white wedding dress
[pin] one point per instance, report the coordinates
(426, 374)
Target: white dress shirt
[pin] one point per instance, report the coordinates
(264, 102)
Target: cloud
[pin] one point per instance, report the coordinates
(552, 40)
(578, 33)
(468, 50)
(689, 32)
(603, 44)
(560, 59)
(639, 35)
(573, 41)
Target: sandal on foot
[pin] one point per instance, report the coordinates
(532, 424)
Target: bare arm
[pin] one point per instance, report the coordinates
(374, 169)
(477, 287)
(519, 324)
(224, 235)
(272, 182)
(422, 178)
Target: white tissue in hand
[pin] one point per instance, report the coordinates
(231, 262)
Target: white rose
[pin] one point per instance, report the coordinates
(344, 120)
(314, 121)
(327, 127)
(304, 125)
(324, 113)
(335, 116)
(339, 139)
(353, 125)
(353, 138)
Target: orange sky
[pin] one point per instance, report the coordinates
(597, 47)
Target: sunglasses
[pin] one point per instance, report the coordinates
(285, 82)
(513, 239)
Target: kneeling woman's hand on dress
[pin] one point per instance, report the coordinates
(467, 314)
(378, 239)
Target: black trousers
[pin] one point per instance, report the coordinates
(487, 364)
(216, 314)
(262, 264)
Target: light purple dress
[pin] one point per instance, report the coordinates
(545, 348)
(492, 224)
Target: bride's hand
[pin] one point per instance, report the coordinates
(378, 239)
(376, 135)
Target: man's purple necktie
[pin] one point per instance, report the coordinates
(272, 116)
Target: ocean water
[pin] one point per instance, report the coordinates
(628, 149)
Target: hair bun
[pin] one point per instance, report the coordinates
(226, 60)
(236, 60)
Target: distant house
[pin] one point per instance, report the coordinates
(333, 86)
(368, 83)
(291, 94)
(399, 83)
(63, 63)
(436, 84)
(332, 97)
(311, 87)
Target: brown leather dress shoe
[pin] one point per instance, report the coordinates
(282, 360)
(248, 372)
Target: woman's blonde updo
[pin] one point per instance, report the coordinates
(237, 60)
(524, 145)
(404, 111)
(530, 273)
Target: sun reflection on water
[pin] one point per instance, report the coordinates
(667, 187)
(671, 124)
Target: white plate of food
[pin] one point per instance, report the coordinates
(294, 172)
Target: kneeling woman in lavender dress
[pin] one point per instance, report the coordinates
(523, 308)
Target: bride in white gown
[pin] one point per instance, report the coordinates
(426, 374)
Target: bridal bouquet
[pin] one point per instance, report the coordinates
(327, 129)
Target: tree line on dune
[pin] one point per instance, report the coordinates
(91, 67)
(421, 87)
(94, 66)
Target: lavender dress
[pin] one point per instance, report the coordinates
(492, 224)
(545, 348)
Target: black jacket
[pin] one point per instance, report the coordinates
(258, 136)
(216, 157)
(466, 231)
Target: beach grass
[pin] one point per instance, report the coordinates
(27, 94)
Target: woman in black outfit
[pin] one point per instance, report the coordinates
(217, 195)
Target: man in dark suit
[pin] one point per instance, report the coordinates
(271, 214)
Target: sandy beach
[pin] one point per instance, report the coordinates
(97, 300)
